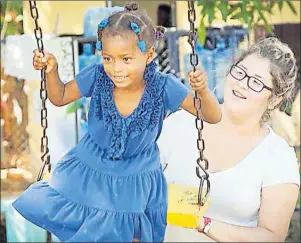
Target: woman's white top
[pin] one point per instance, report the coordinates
(236, 192)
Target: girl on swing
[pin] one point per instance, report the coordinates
(110, 187)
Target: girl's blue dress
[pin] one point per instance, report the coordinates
(110, 187)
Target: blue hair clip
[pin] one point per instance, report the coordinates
(98, 45)
(103, 24)
(141, 43)
(135, 28)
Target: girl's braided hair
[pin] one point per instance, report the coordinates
(119, 22)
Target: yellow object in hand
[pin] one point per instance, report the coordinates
(183, 209)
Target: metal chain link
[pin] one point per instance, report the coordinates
(43, 92)
(202, 162)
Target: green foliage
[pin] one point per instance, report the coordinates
(248, 12)
(15, 8)
(15, 5)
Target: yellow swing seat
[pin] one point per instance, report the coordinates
(183, 208)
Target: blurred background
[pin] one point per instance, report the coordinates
(225, 29)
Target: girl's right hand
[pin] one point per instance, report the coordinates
(48, 60)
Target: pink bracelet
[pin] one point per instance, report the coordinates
(207, 221)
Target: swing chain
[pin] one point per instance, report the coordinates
(43, 92)
(202, 162)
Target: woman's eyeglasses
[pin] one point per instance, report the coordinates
(252, 82)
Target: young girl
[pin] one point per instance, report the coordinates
(111, 187)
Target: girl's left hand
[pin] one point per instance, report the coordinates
(198, 81)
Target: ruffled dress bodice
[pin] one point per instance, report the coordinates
(124, 137)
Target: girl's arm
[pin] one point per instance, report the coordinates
(58, 93)
(210, 108)
(277, 207)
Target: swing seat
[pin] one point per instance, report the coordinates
(183, 210)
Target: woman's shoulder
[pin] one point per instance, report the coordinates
(275, 149)
(274, 153)
(277, 143)
(280, 163)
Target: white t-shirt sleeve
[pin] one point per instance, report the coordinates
(283, 165)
